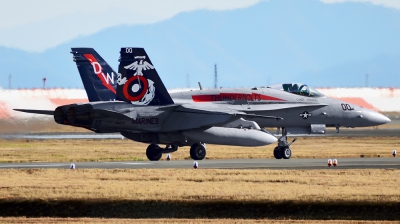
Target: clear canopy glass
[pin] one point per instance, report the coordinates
(298, 89)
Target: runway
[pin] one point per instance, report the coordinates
(343, 163)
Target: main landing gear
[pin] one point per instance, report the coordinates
(198, 151)
(154, 152)
(283, 149)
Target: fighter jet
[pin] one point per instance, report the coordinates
(305, 110)
(145, 112)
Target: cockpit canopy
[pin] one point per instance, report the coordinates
(298, 89)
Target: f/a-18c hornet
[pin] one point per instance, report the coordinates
(145, 112)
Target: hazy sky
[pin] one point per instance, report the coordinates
(271, 41)
(49, 23)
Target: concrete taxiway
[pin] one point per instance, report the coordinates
(343, 163)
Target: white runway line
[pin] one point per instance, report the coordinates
(129, 163)
(44, 165)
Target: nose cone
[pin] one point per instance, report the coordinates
(375, 118)
(386, 119)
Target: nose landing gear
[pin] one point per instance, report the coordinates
(283, 149)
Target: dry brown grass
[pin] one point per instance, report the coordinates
(238, 221)
(202, 193)
(22, 150)
(204, 184)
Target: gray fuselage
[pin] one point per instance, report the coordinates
(291, 107)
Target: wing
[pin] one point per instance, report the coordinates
(215, 109)
(45, 112)
(192, 116)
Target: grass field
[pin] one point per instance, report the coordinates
(70, 150)
(204, 184)
(203, 193)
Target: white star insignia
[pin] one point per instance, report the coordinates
(305, 115)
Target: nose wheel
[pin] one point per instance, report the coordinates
(286, 152)
(277, 153)
(283, 151)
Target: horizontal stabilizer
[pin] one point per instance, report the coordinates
(45, 112)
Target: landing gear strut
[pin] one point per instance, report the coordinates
(154, 152)
(198, 151)
(283, 149)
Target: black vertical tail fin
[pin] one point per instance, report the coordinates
(99, 79)
(138, 80)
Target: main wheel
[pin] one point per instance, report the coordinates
(286, 153)
(277, 153)
(197, 151)
(153, 152)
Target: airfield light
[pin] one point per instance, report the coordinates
(169, 157)
(195, 164)
(394, 153)
(329, 162)
(334, 162)
(72, 166)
